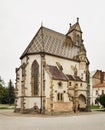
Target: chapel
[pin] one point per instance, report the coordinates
(54, 73)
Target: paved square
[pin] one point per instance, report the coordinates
(91, 121)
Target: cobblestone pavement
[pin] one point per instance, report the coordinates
(78, 121)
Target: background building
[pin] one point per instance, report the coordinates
(98, 84)
(91, 86)
(54, 73)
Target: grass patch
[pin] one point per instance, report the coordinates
(94, 107)
(5, 106)
(102, 110)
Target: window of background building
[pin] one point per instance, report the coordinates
(96, 92)
(102, 91)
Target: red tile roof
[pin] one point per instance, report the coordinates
(100, 85)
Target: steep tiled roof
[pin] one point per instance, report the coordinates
(55, 73)
(100, 75)
(70, 77)
(97, 74)
(52, 42)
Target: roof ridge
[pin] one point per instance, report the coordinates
(53, 31)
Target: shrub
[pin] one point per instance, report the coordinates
(101, 100)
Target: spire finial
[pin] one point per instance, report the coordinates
(77, 19)
(70, 24)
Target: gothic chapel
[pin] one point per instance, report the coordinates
(54, 73)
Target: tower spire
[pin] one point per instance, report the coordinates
(70, 24)
(77, 19)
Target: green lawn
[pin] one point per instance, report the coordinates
(6, 106)
(94, 107)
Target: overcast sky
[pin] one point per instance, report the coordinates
(21, 19)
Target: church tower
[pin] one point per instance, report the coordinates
(75, 33)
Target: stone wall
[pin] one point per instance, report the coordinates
(63, 106)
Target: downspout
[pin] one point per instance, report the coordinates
(42, 70)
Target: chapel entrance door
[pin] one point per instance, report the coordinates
(82, 102)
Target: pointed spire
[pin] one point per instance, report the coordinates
(77, 20)
(70, 24)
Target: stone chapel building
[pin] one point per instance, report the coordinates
(54, 73)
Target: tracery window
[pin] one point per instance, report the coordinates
(34, 78)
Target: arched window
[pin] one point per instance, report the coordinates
(60, 97)
(34, 78)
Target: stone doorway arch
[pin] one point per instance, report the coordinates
(82, 102)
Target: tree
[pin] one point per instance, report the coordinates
(5, 96)
(1, 89)
(11, 93)
(101, 100)
(1, 82)
(1, 93)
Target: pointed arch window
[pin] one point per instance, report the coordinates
(34, 78)
(60, 97)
